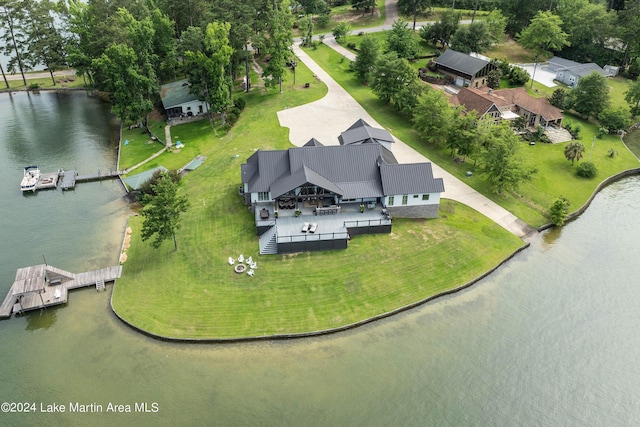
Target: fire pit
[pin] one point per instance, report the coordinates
(240, 268)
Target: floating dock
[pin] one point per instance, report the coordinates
(42, 286)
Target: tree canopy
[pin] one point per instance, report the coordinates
(544, 34)
(590, 96)
(162, 210)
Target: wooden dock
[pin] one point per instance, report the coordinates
(67, 179)
(42, 286)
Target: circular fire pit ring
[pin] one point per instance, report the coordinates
(240, 268)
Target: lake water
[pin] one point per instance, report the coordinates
(550, 339)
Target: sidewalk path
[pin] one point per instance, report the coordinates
(326, 118)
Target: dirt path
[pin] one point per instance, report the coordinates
(41, 75)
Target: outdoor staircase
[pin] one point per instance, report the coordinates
(100, 285)
(557, 135)
(268, 242)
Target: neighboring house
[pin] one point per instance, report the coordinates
(463, 69)
(178, 102)
(344, 190)
(570, 72)
(508, 104)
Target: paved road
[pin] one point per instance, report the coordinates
(326, 118)
(41, 75)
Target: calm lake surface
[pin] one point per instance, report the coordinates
(551, 339)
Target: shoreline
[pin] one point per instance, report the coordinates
(278, 337)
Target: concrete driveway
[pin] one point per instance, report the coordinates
(326, 118)
(542, 75)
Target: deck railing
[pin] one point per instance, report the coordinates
(310, 237)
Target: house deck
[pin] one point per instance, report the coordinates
(328, 227)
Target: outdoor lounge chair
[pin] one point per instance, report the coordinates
(313, 228)
(305, 227)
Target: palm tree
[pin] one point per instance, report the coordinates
(574, 151)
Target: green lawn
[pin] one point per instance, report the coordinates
(193, 293)
(555, 175)
(46, 83)
(633, 142)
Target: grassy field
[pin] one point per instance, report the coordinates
(194, 293)
(357, 19)
(555, 175)
(633, 142)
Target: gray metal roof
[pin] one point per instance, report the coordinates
(413, 178)
(461, 62)
(584, 69)
(353, 171)
(361, 132)
(313, 143)
(557, 62)
(175, 94)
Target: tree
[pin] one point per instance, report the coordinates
(591, 95)
(14, 37)
(130, 90)
(367, 57)
(413, 7)
(341, 30)
(501, 161)
(632, 96)
(573, 151)
(543, 35)
(615, 119)
(46, 44)
(559, 211)
(559, 98)
(396, 82)
(162, 212)
(401, 39)
(463, 133)
(442, 30)
(432, 117)
(590, 28)
(305, 24)
(471, 38)
(207, 69)
(496, 23)
(493, 78)
(278, 42)
(520, 12)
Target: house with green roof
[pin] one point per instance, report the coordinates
(179, 102)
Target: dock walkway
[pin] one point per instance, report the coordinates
(41, 286)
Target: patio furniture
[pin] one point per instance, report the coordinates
(313, 228)
(305, 227)
(264, 214)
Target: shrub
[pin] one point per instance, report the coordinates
(587, 169)
(324, 19)
(559, 98)
(518, 76)
(352, 45)
(239, 104)
(559, 211)
(34, 86)
(146, 188)
(614, 119)
(601, 132)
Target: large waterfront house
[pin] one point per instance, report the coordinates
(179, 102)
(508, 104)
(316, 197)
(462, 69)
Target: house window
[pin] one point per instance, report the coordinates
(405, 199)
(415, 196)
(425, 197)
(263, 196)
(390, 201)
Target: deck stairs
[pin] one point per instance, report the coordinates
(268, 242)
(100, 285)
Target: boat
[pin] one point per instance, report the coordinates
(30, 179)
